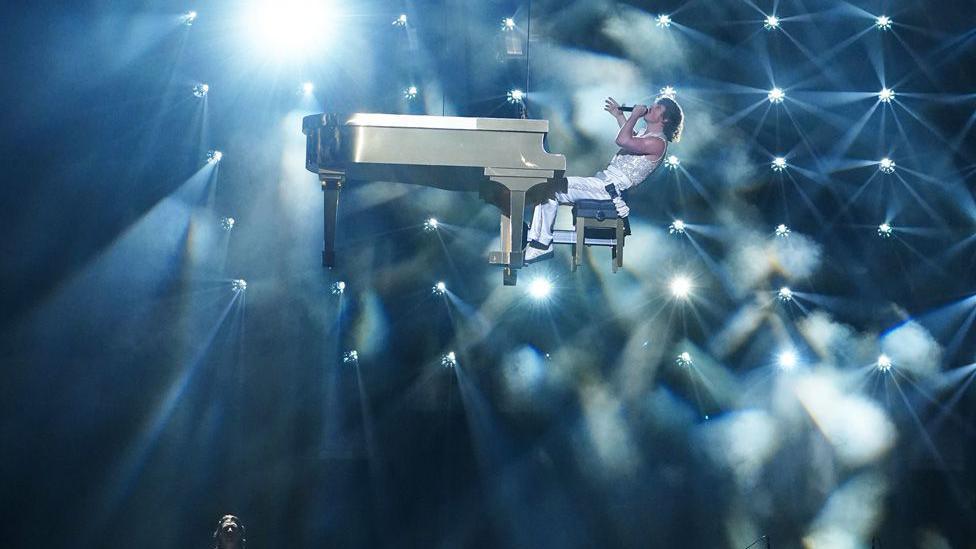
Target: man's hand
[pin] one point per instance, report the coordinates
(613, 108)
(639, 110)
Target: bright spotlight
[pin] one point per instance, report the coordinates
(667, 91)
(350, 357)
(508, 24)
(540, 288)
(449, 360)
(684, 360)
(439, 289)
(886, 95)
(214, 156)
(516, 96)
(289, 28)
(308, 88)
(663, 21)
(779, 164)
(672, 162)
(782, 231)
(785, 294)
(201, 90)
(886, 165)
(188, 18)
(430, 225)
(680, 286)
(238, 285)
(227, 223)
(401, 21)
(411, 93)
(776, 95)
(883, 22)
(676, 227)
(786, 360)
(772, 22)
(884, 230)
(884, 363)
(338, 288)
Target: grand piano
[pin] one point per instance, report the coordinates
(503, 159)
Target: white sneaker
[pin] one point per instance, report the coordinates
(533, 254)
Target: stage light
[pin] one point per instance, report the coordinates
(772, 22)
(884, 230)
(667, 91)
(886, 95)
(776, 95)
(680, 286)
(672, 162)
(410, 93)
(289, 28)
(508, 24)
(782, 231)
(214, 156)
(338, 288)
(886, 165)
(516, 96)
(884, 363)
(350, 357)
(676, 227)
(779, 164)
(883, 22)
(188, 18)
(540, 288)
(786, 360)
(684, 360)
(308, 88)
(785, 294)
(201, 90)
(663, 21)
(449, 360)
(439, 289)
(227, 223)
(430, 225)
(401, 21)
(238, 285)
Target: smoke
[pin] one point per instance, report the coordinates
(857, 428)
(758, 256)
(911, 347)
(851, 514)
(741, 443)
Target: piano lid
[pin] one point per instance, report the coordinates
(448, 122)
(349, 142)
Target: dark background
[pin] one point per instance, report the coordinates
(143, 398)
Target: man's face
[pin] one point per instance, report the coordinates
(230, 532)
(655, 114)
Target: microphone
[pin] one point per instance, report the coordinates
(626, 109)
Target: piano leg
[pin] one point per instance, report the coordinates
(511, 256)
(512, 228)
(330, 195)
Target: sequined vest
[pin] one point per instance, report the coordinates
(629, 170)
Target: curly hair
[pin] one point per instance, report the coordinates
(674, 119)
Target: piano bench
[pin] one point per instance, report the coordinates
(597, 224)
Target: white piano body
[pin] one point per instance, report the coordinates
(501, 158)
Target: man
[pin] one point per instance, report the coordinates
(639, 154)
(230, 534)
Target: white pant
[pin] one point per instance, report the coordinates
(577, 188)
